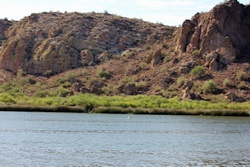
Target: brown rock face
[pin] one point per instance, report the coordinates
(225, 29)
(51, 43)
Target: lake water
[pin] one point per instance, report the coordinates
(71, 139)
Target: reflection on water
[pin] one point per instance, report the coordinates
(61, 139)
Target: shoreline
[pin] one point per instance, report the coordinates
(120, 110)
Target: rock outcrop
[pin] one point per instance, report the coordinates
(225, 29)
(51, 43)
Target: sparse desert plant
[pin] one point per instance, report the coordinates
(71, 78)
(7, 98)
(198, 71)
(20, 73)
(143, 86)
(62, 92)
(31, 80)
(42, 93)
(181, 81)
(196, 52)
(167, 58)
(197, 87)
(241, 76)
(242, 85)
(143, 66)
(227, 83)
(103, 73)
(208, 87)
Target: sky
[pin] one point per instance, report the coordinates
(168, 12)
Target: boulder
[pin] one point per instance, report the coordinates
(232, 97)
(213, 65)
(154, 58)
(209, 57)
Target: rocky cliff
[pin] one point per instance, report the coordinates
(51, 43)
(225, 30)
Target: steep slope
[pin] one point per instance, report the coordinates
(51, 43)
(61, 54)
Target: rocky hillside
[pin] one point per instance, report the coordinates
(51, 43)
(61, 54)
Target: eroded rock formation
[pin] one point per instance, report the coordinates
(225, 29)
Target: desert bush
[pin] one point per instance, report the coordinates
(7, 98)
(71, 78)
(143, 66)
(198, 71)
(62, 92)
(181, 81)
(216, 98)
(208, 87)
(31, 80)
(196, 52)
(42, 93)
(20, 73)
(108, 90)
(242, 85)
(103, 73)
(143, 86)
(197, 87)
(169, 94)
(241, 76)
(7, 86)
(227, 83)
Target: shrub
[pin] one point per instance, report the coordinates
(196, 53)
(103, 73)
(62, 92)
(227, 83)
(31, 81)
(142, 86)
(20, 73)
(181, 81)
(42, 93)
(7, 98)
(197, 87)
(242, 76)
(208, 87)
(242, 86)
(143, 66)
(71, 78)
(198, 70)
